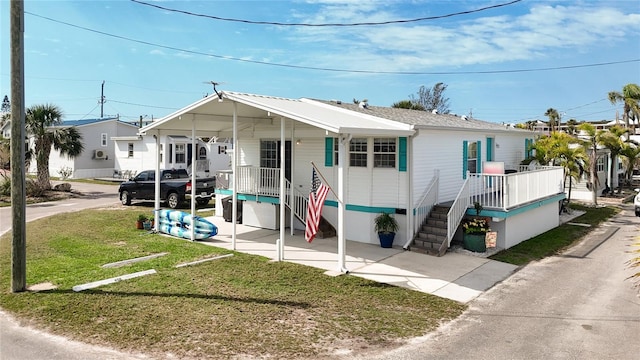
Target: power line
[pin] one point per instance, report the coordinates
(326, 24)
(289, 66)
(151, 106)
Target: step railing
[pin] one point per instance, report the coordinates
(457, 211)
(298, 204)
(426, 203)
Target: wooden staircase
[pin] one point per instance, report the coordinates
(432, 236)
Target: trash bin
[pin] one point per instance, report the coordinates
(227, 209)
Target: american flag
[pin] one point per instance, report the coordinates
(317, 196)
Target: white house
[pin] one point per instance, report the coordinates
(136, 153)
(98, 157)
(375, 159)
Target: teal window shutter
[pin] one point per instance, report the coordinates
(402, 154)
(328, 151)
(489, 149)
(479, 159)
(527, 148)
(465, 147)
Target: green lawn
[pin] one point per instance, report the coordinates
(235, 306)
(555, 240)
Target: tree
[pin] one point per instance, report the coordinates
(612, 140)
(407, 104)
(41, 123)
(572, 125)
(630, 154)
(432, 98)
(591, 144)
(554, 118)
(6, 105)
(630, 97)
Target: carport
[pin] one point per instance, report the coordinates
(234, 115)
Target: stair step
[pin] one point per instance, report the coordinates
(436, 223)
(438, 216)
(434, 230)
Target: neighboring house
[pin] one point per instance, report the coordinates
(5, 130)
(137, 153)
(375, 159)
(98, 158)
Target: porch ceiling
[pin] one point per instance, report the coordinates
(214, 116)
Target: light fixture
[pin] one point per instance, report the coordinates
(298, 142)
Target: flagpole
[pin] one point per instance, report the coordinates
(326, 183)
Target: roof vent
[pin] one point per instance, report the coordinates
(464, 117)
(363, 104)
(434, 111)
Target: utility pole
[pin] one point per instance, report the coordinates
(18, 186)
(102, 101)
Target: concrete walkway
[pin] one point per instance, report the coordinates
(454, 276)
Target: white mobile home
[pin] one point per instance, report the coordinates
(376, 160)
(98, 157)
(137, 153)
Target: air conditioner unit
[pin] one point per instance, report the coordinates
(99, 154)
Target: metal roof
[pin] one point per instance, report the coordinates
(216, 115)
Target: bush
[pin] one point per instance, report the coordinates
(33, 189)
(5, 185)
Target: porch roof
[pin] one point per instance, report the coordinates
(215, 115)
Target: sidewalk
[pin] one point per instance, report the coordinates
(453, 276)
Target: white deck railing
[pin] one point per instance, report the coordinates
(510, 190)
(258, 181)
(299, 204)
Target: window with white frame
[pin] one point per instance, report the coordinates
(130, 150)
(181, 155)
(103, 139)
(335, 151)
(472, 157)
(202, 153)
(384, 152)
(600, 163)
(161, 152)
(269, 154)
(358, 152)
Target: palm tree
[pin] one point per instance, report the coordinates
(554, 118)
(591, 143)
(612, 140)
(630, 154)
(41, 123)
(630, 97)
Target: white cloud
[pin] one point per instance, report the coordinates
(156, 52)
(543, 31)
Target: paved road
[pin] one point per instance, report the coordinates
(93, 196)
(559, 308)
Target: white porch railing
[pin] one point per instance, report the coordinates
(428, 199)
(510, 190)
(299, 204)
(457, 211)
(258, 181)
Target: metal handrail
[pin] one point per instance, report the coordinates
(425, 205)
(299, 204)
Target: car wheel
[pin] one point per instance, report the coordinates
(202, 201)
(173, 201)
(125, 198)
(637, 212)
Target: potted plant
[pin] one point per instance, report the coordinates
(141, 219)
(386, 227)
(475, 232)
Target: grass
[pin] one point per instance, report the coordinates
(238, 306)
(555, 240)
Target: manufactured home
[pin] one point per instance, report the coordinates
(375, 159)
(98, 158)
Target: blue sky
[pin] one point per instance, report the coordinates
(473, 54)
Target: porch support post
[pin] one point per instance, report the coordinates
(234, 167)
(292, 199)
(342, 159)
(282, 192)
(193, 176)
(156, 190)
(409, 207)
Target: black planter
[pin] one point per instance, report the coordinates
(386, 239)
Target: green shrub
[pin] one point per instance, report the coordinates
(5, 185)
